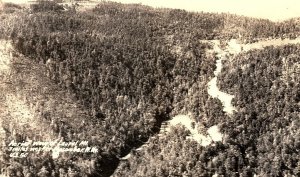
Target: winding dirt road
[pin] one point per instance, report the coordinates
(14, 111)
(233, 48)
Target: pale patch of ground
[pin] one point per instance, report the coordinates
(20, 113)
(176, 50)
(6, 100)
(213, 132)
(5, 50)
(225, 98)
(187, 123)
(18, 109)
(271, 42)
(185, 120)
(213, 89)
(5, 55)
(13, 108)
(126, 157)
(234, 47)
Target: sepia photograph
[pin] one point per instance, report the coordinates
(149, 88)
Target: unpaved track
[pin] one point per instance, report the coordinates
(212, 88)
(232, 48)
(16, 113)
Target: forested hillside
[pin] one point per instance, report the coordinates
(112, 75)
